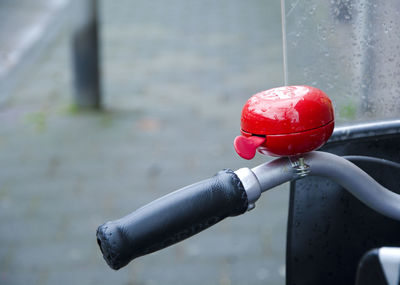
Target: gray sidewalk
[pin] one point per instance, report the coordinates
(175, 79)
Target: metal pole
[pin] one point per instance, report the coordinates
(85, 55)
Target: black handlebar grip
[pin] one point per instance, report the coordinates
(172, 218)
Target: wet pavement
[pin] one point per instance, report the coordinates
(175, 78)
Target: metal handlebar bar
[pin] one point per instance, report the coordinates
(194, 208)
(316, 163)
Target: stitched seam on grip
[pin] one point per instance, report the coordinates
(240, 209)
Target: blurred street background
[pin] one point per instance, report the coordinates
(175, 75)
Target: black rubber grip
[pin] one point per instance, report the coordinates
(172, 218)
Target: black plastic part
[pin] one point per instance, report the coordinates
(328, 229)
(172, 218)
(370, 270)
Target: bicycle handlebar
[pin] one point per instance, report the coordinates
(194, 208)
(336, 168)
(172, 218)
(356, 181)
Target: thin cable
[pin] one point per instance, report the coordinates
(284, 44)
(370, 159)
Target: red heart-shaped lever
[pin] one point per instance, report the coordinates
(246, 146)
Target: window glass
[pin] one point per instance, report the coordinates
(351, 50)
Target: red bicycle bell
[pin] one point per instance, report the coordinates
(285, 121)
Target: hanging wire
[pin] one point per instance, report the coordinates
(370, 159)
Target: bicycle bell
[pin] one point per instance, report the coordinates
(285, 121)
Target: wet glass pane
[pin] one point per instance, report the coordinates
(350, 49)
